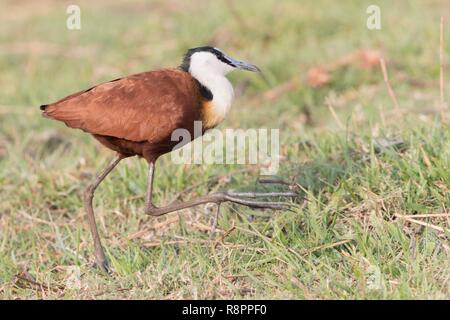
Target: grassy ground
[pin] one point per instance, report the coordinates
(345, 239)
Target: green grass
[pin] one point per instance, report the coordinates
(343, 239)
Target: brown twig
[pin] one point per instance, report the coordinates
(25, 280)
(233, 227)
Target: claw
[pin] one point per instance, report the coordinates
(102, 266)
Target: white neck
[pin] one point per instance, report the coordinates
(210, 72)
(221, 89)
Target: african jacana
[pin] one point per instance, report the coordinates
(137, 114)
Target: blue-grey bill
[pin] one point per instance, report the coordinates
(245, 65)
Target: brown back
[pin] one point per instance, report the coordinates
(146, 106)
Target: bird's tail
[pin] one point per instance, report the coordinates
(43, 107)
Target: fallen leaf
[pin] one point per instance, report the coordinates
(318, 77)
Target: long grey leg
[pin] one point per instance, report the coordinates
(100, 258)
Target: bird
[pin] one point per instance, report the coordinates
(135, 115)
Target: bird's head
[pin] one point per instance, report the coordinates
(214, 61)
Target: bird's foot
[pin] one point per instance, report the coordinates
(247, 199)
(243, 198)
(101, 263)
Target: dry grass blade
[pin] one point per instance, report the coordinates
(430, 215)
(328, 246)
(27, 216)
(426, 158)
(335, 117)
(443, 105)
(425, 224)
(389, 87)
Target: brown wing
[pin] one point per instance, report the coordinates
(142, 107)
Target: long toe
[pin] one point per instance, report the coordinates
(260, 204)
(262, 194)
